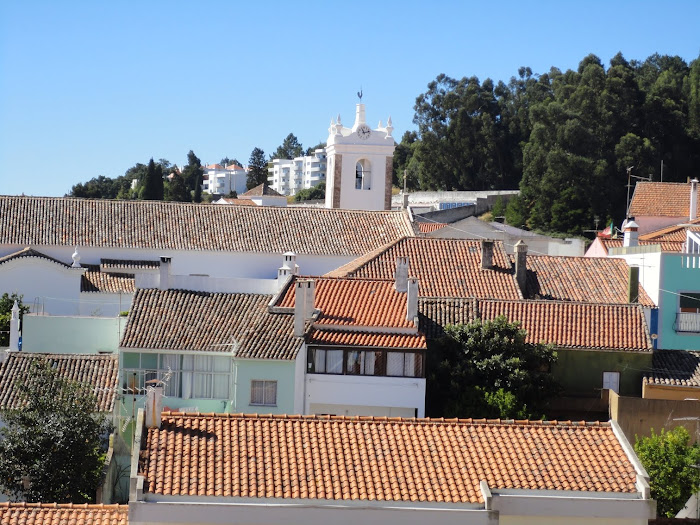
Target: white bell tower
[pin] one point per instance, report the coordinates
(359, 164)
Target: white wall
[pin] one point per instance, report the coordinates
(205, 262)
(649, 271)
(353, 392)
(51, 285)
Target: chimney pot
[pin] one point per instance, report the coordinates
(693, 214)
(164, 282)
(412, 299)
(630, 234)
(401, 275)
(521, 266)
(154, 406)
(486, 254)
(633, 285)
(14, 329)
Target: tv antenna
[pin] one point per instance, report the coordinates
(629, 185)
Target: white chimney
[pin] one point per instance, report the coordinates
(521, 265)
(304, 296)
(164, 283)
(401, 275)
(412, 299)
(693, 200)
(289, 267)
(154, 406)
(486, 254)
(14, 329)
(631, 234)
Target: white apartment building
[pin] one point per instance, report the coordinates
(220, 180)
(288, 176)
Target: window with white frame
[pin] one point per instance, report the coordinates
(263, 392)
(611, 381)
(362, 175)
(182, 375)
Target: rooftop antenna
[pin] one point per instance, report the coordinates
(359, 94)
(629, 185)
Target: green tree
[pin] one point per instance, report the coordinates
(257, 169)
(486, 369)
(153, 183)
(228, 162)
(672, 464)
(54, 440)
(290, 148)
(7, 301)
(310, 151)
(308, 194)
(192, 174)
(177, 189)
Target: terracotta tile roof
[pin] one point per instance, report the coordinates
(581, 279)
(671, 234)
(444, 267)
(365, 339)
(354, 303)
(260, 190)
(576, 325)
(661, 199)
(436, 313)
(157, 225)
(101, 371)
(123, 264)
(63, 514)
(235, 167)
(365, 458)
(214, 167)
(666, 246)
(428, 227)
(93, 280)
(674, 368)
(30, 252)
(213, 322)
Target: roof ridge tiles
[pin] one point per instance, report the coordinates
(388, 419)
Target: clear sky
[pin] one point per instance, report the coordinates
(90, 88)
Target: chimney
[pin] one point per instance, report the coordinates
(404, 201)
(521, 265)
(693, 200)
(412, 299)
(164, 283)
(289, 267)
(486, 254)
(633, 285)
(401, 275)
(631, 236)
(14, 329)
(304, 296)
(154, 406)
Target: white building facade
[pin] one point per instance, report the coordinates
(289, 176)
(219, 180)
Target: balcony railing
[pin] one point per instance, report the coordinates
(687, 322)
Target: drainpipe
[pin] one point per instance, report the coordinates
(633, 285)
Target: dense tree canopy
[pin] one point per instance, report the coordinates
(290, 148)
(672, 463)
(308, 194)
(54, 441)
(257, 169)
(486, 369)
(153, 189)
(566, 138)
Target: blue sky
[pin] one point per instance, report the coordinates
(90, 88)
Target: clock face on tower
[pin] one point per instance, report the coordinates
(364, 132)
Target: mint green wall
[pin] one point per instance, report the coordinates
(280, 371)
(71, 335)
(580, 372)
(676, 278)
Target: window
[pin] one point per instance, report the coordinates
(365, 362)
(362, 175)
(182, 375)
(688, 317)
(263, 393)
(611, 381)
